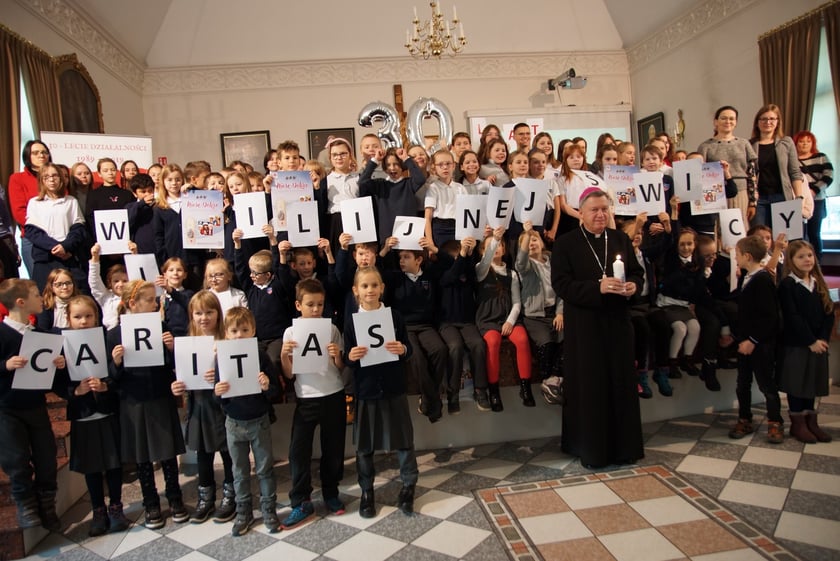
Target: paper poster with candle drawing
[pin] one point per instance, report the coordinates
(714, 194)
(40, 350)
(202, 221)
(619, 180)
(288, 187)
(84, 350)
(193, 358)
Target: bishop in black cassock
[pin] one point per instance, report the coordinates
(601, 418)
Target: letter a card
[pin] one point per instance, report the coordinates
(239, 366)
(40, 349)
(312, 337)
(373, 330)
(84, 350)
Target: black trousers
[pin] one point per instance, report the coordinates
(328, 412)
(428, 364)
(367, 471)
(27, 449)
(458, 337)
(761, 364)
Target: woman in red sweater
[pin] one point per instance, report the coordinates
(23, 185)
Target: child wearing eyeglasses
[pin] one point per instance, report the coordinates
(440, 199)
(217, 277)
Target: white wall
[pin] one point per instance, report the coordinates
(122, 106)
(717, 67)
(186, 110)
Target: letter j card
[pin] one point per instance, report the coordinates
(373, 330)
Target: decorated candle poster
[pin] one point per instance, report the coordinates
(714, 194)
(202, 219)
(619, 180)
(288, 187)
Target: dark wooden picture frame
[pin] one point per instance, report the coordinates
(318, 139)
(649, 126)
(249, 147)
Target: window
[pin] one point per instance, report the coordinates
(826, 127)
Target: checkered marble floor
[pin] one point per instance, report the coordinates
(788, 492)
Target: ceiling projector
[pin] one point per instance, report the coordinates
(567, 81)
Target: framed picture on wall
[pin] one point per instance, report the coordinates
(649, 126)
(318, 139)
(249, 147)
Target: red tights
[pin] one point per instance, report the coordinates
(519, 338)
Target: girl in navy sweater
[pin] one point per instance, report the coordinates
(93, 409)
(808, 317)
(150, 430)
(383, 420)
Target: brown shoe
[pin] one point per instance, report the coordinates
(775, 432)
(742, 428)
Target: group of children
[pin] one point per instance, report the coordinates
(452, 303)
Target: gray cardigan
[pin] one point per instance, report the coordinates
(531, 288)
(788, 164)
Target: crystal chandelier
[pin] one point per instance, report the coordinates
(435, 37)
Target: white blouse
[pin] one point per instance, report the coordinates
(54, 216)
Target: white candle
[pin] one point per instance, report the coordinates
(437, 8)
(618, 269)
(407, 37)
(454, 13)
(461, 29)
(415, 13)
(448, 32)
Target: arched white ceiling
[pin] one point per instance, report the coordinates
(177, 33)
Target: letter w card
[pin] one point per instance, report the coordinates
(41, 350)
(239, 366)
(84, 350)
(312, 337)
(112, 231)
(373, 330)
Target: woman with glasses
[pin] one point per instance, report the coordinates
(779, 176)
(23, 185)
(56, 229)
(724, 146)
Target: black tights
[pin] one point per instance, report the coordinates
(206, 478)
(800, 404)
(94, 483)
(146, 475)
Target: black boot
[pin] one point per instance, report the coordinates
(227, 506)
(525, 393)
(367, 507)
(100, 523)
(405, 501)
(46, 510)
(495, 398)
(27, 513)
(709, 376)
(206, 504)
(689, 367)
